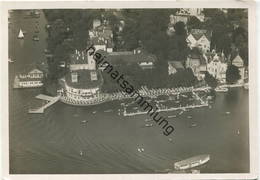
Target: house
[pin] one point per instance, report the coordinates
(238, 62)
(174, 66)
(199, 38)
(198, 63)
(101, 36)
(82, 84)
(217, 66)
(32, 79)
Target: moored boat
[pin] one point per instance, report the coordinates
(221, 89)
(36, 38)
(192, 162)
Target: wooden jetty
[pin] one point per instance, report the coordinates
(51, 101)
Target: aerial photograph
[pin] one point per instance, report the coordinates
(128, 91)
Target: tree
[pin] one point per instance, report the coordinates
(232, 74)
(177, 46)
(182, 78)
(210, 80)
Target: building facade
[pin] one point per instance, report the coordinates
(32, 79)
(217, 67)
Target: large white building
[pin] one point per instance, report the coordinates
(217, 66)
(82, 84)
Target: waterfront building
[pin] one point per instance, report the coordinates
(174, 66)
(238, 62)
(32, 79)
(82, 84)
(217, 66)
(199, 38)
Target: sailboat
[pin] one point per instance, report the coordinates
(20, 35)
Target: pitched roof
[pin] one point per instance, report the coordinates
(198, 33)
(238, 61)
(35, 71)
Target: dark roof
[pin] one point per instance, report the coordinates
(84, 80)
(198, 33)
(105, 32)
(194, 56)
(102, 41)
(197, 56)
(127, 57)
(131, 58)
(210, 56)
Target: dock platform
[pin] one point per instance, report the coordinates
(51, 101)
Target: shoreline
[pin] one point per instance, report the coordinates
(102, 98)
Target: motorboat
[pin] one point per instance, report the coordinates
(192, 162)
(148, 125)
(221, 89)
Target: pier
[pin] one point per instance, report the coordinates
(166, 109)
(50, 101)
